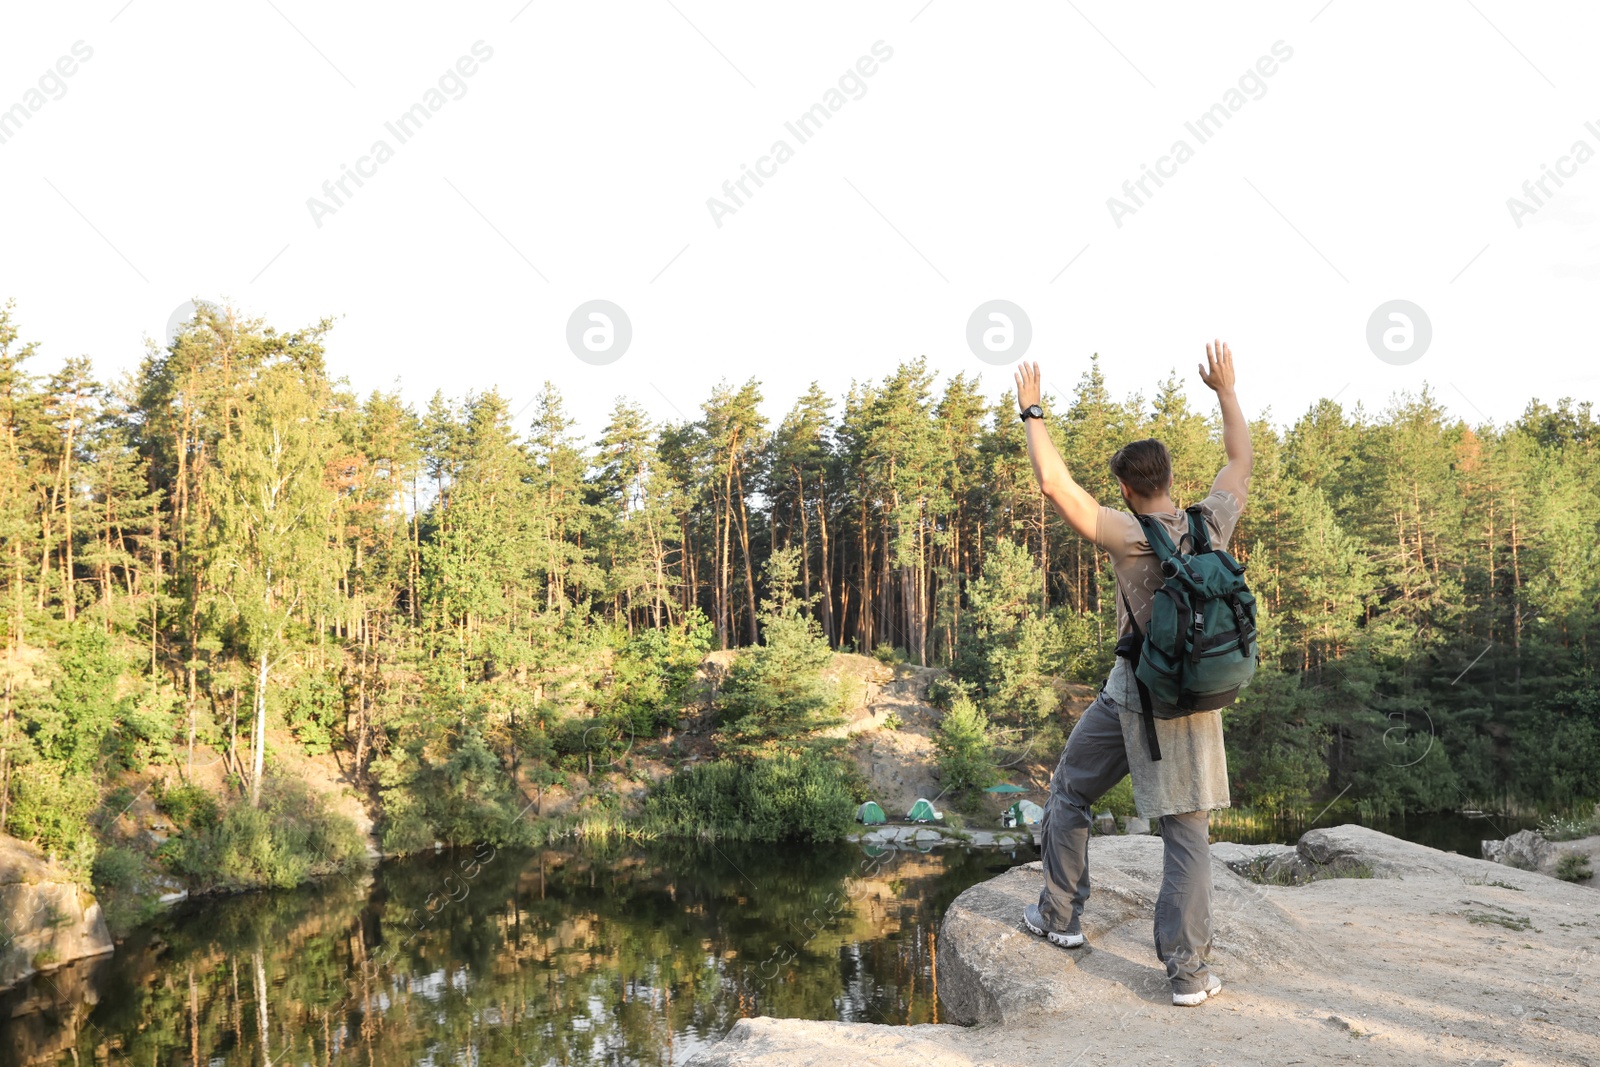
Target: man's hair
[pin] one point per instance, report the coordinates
(1145, 465)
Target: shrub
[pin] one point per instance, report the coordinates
(116, 867)
(1559, 828)
(50, 806)
(187, 805)
(314, 708)
(1573, 867)
(1118, 799)
(292, 837)
(966, 756)
(465, 798)
(805, 797)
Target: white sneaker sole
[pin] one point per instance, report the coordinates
(1055, 938)
(1189, 1000)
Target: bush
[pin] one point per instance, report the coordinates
(187, 805)
(966, 756)
(50, 806)
(291, 838)
(116, 867)
(1573, 867)
(465, 798)
(1118, 799)
(805, 798)
(314, 709)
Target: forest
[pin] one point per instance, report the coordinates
(230, 551)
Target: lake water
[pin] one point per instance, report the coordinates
(582, 955)
(628, 955)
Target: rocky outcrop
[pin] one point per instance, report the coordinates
(1423, 957)
(992, 970)
(48, 920)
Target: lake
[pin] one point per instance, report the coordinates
(581, 955)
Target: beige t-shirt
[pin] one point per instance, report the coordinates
(1193, 772)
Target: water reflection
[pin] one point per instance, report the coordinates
(576, 956)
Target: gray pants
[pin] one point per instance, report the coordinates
(1093, 761)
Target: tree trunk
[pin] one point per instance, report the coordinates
(260, 733)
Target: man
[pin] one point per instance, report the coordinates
(1108, 742)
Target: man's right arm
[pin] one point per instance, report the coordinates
(1071, 500)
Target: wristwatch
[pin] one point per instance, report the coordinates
(1032, 411)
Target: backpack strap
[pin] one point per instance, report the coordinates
(1144, 692)
(1198, 530)
(1160, 541)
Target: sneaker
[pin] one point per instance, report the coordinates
(1189, 1000)
(1034, 921)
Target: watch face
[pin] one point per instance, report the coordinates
(1036, 411)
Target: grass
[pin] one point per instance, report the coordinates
(1569, 827)
(1497, 882)
(1510, 922)
(1257, 871)
(1497, 916)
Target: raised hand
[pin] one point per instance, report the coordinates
(1027, 379)
(1217, 371)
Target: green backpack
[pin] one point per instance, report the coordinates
(1201, 644)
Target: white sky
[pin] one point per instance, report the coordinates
(577, 165)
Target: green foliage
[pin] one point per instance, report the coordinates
(291, 837)
(1008, 649)
(1118, 800)
(189, 806)
(775, 699)
(73, 727)
(50, 806)
(314, 709)
(462, 797)
(1556, 749)
(785, 797)
(966, 755)
(450, 602)
(117, 868)
(1568, 827)
(1574, 867)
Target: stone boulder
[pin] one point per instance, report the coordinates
(1526, 850)
(992, 970)
(48, 920)
(1387, 857)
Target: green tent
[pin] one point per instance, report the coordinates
(922, 811)
(1006, 787)
(1025, 813)
(870, 813)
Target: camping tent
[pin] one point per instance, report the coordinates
(870, 813)
(922, 811)
(1006, 787)
(1024, 813)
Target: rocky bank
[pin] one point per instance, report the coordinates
(1422, 957)
(49, 920)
